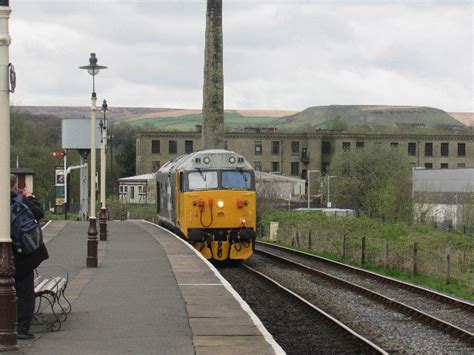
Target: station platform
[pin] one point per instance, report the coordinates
(151, 294)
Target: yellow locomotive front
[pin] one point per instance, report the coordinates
(216, 204)
(211, 199)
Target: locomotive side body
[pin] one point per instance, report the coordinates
(209, 197)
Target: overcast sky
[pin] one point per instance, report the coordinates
(288, 54)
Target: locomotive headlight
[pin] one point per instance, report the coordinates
(232, 160)
(206, 160)
(220, 204)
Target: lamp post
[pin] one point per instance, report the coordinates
(309, 184)
(103, 209)
(329, 184)
(8, 340)
(92, 261)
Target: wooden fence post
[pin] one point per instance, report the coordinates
(385, 253)
(362, 251)
(343, 246)
(297, 236)
(448, 266)
(415, 253)
(310, 242)
(293, 239)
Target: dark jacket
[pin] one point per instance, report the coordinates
(25, 264)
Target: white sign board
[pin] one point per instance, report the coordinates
(76, 133)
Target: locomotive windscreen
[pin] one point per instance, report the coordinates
(203, 180)
(236, 180)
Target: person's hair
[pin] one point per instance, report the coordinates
(13, 180)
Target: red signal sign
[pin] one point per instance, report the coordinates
(58, 154)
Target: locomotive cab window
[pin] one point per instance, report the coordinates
(202, 180)
(236, 180)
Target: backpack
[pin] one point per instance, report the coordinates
(26, 232)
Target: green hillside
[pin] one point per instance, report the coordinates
(325, 117)
(233, 121)
(380, 119)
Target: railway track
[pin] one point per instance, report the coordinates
(446, 314)
(296, 324)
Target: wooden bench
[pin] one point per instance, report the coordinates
(50, 285)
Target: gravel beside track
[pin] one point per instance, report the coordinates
(449, 312)
(391, 330)
(296, 327)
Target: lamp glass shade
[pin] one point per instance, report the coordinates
(93, 71)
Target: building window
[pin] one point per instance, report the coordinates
(304, 174)
(444, 149)
(132, 192)
(173, 147)
(326, 147)
(275, 167)
(444, 166)
(258, 165)
(295, 148)
(275, 147)
(156, 164)
(428, 149)
(324, 168)
(461, 149)
(258, 148)
(461, 165)
(394, 144)
(428, 165)
(295, 168)
(360, 145)
(188, 147)
(346, 146)
(155, 146)
(411, 148)
(121, 189)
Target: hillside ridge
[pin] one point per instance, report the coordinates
(316, 117)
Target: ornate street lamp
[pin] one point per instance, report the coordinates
(8, 340)
(92, 261)
(103, 209)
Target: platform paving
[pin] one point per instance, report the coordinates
(151, 294)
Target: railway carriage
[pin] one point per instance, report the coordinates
(209, 198)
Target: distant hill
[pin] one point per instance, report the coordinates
(466, 118)
(324, 117)
(388, 119)
(115, 114)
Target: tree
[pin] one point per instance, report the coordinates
(124, 149)
(376, 178)
(213, 91)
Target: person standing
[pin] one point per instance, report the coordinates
(26, 264)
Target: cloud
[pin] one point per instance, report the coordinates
(278, 54)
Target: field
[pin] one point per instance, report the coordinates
(416, 253)
(232, 119)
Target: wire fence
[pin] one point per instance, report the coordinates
(420, 258)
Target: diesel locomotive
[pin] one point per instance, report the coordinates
(209, 198)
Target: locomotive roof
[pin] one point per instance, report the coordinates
(207, 159)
